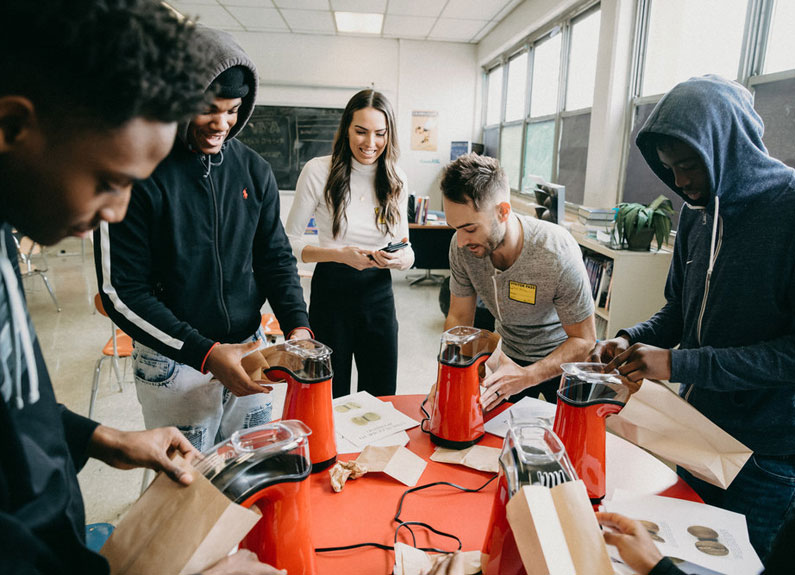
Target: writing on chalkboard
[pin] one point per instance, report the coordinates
(288, 137)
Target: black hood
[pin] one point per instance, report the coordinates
(225, 53)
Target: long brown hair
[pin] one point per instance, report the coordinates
(387, 183)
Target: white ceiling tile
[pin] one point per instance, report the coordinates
(407, 26)
(473, 9)
(456, 30)
(258, 18)
(303, 4)
(372, 6)
(213, 16)
(255, 3)
(310, 20)
(430, 8)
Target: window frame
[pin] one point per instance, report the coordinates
(756, 32)
(560, 25)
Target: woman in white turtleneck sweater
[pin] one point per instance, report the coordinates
(359, 198)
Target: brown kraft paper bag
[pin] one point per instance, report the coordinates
(175, 529)
(556, 531)
(658, 420)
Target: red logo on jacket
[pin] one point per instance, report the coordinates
(245, 194)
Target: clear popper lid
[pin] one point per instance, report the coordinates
(307, 360)
(253, 459)
(462, 345)
(533, 454)
(584, 383)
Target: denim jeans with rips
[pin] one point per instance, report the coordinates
(205, 411)
(763, 491)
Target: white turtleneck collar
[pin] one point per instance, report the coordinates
(363, 168)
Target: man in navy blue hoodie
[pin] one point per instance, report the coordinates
(730, 292)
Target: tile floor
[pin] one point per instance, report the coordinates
(72, 341)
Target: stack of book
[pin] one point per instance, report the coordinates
(596, 219)
(600, 272)
(421, 209)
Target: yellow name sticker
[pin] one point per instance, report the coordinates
(525, 293)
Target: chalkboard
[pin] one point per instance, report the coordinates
(289, 137)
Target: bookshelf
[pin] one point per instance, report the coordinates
(636, 286)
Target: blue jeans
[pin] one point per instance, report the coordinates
(763, 491)
(206, 412)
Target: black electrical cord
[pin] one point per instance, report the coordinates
(408, 524)
(427, 415)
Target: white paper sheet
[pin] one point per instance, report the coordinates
(344, 446)
(527, 409)
(679, 525)
(362, 419)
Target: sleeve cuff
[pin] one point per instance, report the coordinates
(292, 331)
(204, 361)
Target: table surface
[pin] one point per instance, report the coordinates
(363, 511)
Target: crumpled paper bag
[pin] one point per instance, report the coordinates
(477, 457)
(344, 470)
(658, 420)
(412, 561)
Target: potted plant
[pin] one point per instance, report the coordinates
(636, 225)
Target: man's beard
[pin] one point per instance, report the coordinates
(493, 241)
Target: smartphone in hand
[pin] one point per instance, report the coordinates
(390, 248)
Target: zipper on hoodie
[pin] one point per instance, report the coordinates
(216, 227)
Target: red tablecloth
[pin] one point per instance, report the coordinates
(363, 511)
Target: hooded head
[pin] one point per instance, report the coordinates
(232, 82)
(716, 120)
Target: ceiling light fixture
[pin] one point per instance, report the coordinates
(359, 22)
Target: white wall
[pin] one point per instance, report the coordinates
(441, 77)
(325, 71)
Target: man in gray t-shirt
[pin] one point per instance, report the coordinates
(528, 272)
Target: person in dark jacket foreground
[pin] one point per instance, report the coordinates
(200, 251)
(730, 292)
(90, 94)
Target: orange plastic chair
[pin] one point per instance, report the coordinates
(119, 346)
(271, 327)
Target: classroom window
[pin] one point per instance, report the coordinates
(573, 155)
(539, 149)
(545, 115)
(546, 73)
(687, 38)
(582, 61)
(517, 88)
(494, 96)
(491, 141)
(773, 101)
(780, 53)
(511, 153)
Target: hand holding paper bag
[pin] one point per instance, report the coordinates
(658, 420)
(175, 529)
